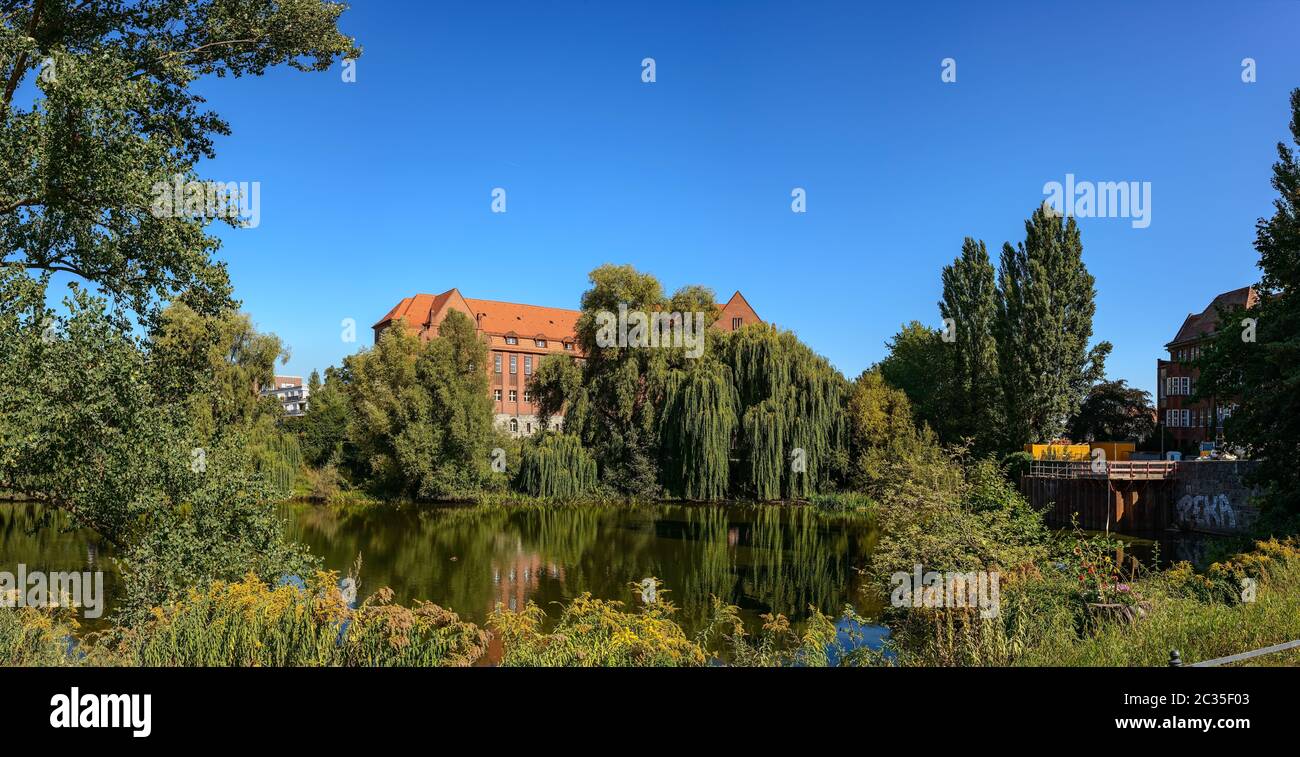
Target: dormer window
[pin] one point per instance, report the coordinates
(539, 342)
(512, 340)
(568, 346)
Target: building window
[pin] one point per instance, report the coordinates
(496, 363)
(514, 425)
(1187, 418)
(568, 346)
(1171, 418)
(512, 340)
(528, 365)
(496, 394)
(528, 396)
(539, 342)
(514, 395)
(736, 323)
(528, 428)
(514, 363)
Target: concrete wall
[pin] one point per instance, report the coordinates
(1212, 496)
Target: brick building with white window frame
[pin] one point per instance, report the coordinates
(518, 337)
(1194, 423)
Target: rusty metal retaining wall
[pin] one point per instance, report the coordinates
(1129, 506)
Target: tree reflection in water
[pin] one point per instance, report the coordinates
(767, 558)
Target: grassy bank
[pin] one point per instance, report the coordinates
(1042, 622)
(1203, 616)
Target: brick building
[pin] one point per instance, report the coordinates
(518, 337)
(1190, 422)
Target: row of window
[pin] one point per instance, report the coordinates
(1195, 417)
(514, 426)
(514, 395)
(538, 342)
(514, 364)
(1179, 385)
(1185, 354)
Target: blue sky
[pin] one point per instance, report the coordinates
(378, 189)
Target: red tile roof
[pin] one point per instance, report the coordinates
(418, 310)
(424, 312)
(529, 321)
(1206, 322)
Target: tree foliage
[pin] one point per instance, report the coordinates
(216, 365)
(556, 466)
(921, 365)
(98, 108)
(84, 428)
(758, 414)
(1263, 375)
(323, 430)
(421, 417)
(792, 434)
(1044, 325)
(1114, 412)
(975, 403)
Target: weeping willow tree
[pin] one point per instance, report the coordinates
(556, 466)
(277, 457)
(698, 421)
(792, 440)
(757, 414)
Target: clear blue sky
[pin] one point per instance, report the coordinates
(375, 190)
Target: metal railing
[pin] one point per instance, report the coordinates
(1176, 660)
(1134, 469)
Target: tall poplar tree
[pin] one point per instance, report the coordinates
(970, 301)
(1044, 325)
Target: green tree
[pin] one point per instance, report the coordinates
(970, 304)
(1044, 325)
(556, 465)
(699, 422)
(556, 384)
(420, 413)
(880, 428)
(921, 365)
(323, 430)
(615, 412)
(84, 430)
(1114, 412)
(112, 116)
(217, 365)
(792, 436)
(1254, 360)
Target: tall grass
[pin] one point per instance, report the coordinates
(35, 637)
(600, 633)
(1202, 616)
(247, 623)
(1046, 619)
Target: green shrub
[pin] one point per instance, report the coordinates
(35, 636)
(596, 633)
(248, 623)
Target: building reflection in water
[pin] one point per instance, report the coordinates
(514, 582)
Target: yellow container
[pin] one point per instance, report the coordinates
(1072, 452)
(1118, 451)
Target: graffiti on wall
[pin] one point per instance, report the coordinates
(1202, 511)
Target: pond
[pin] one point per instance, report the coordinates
(762, 558)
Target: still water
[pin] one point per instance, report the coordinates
(764, 559)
